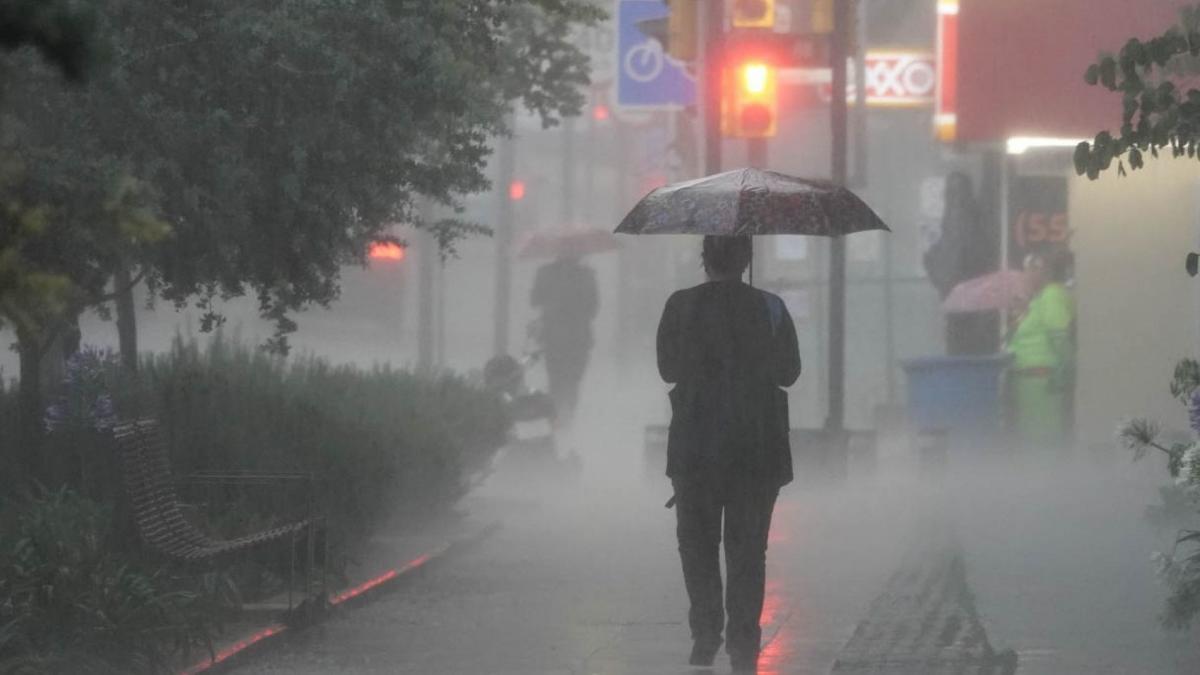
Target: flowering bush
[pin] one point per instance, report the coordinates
(85, 401)
(1178, 568)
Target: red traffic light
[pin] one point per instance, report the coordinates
(386, 250)
(749, 103)
(516, 190)
(600, 113)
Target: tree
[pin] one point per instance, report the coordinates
(280, 138)
(54, 266)
(1158, 113)
(30, 293)
(274, 139)
(60, 30)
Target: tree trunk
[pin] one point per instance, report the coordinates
(26, 463)
(126, 319)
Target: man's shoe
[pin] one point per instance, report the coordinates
(704, 652)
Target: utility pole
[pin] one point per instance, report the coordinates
(711, 53)
(589, 167)
(439, 357)
(427, 261)
(756, 158)
(568, 172)
(505, 163)
(838, 55)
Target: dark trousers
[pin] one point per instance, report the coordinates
(564, 373)
(746, 506)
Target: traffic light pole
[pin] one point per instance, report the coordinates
(838, 54)
(427, 261)
(756, 158)
(712, 46)
(505, 164)
(568, 172)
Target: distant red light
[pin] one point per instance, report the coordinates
(600, 113)
(516, 190)
(386, 250)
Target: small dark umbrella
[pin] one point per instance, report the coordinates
(749, 202)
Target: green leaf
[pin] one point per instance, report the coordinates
(1082, 154)
(1092, 76)
(1108, 72)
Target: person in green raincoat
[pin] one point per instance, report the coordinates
(1043, 349)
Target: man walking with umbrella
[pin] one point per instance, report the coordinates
(728, 348)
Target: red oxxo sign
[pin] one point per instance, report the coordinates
(899, 78)
(894, 78)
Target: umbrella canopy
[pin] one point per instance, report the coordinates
(573, 242)
(1002, 290)
(751, 202)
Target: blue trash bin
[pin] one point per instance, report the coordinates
(957, 393)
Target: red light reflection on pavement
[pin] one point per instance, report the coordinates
(235, 649)
(275, 629)
(365, 586)
(778, 637)
(387, 576)
(777, 633)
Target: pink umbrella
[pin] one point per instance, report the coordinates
(1005, 289)
(575, 241)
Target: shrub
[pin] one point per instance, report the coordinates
(1178, 568)
(380, 441)
(70, 603)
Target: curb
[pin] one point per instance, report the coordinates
(237, 651)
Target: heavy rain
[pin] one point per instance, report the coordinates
(600, 337)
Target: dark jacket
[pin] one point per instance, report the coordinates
(565, 290)
(728, 348)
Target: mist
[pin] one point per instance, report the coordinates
(369, 252)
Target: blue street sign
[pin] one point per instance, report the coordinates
(646, 76)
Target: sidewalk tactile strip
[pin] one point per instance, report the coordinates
(925, 623)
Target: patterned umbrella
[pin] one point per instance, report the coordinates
(751, 202)
(1005, 289)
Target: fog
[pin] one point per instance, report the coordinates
(933, 530)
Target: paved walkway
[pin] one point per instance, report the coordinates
(584, 579)
(591, 586)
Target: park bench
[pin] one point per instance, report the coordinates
(158, 513)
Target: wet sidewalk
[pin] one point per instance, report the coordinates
(1060, 563)
(588, 585)
(584, 577)
(586, 581)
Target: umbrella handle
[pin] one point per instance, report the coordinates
(751, 261)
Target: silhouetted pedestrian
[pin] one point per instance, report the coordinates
(565, 290)
(728, 348)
